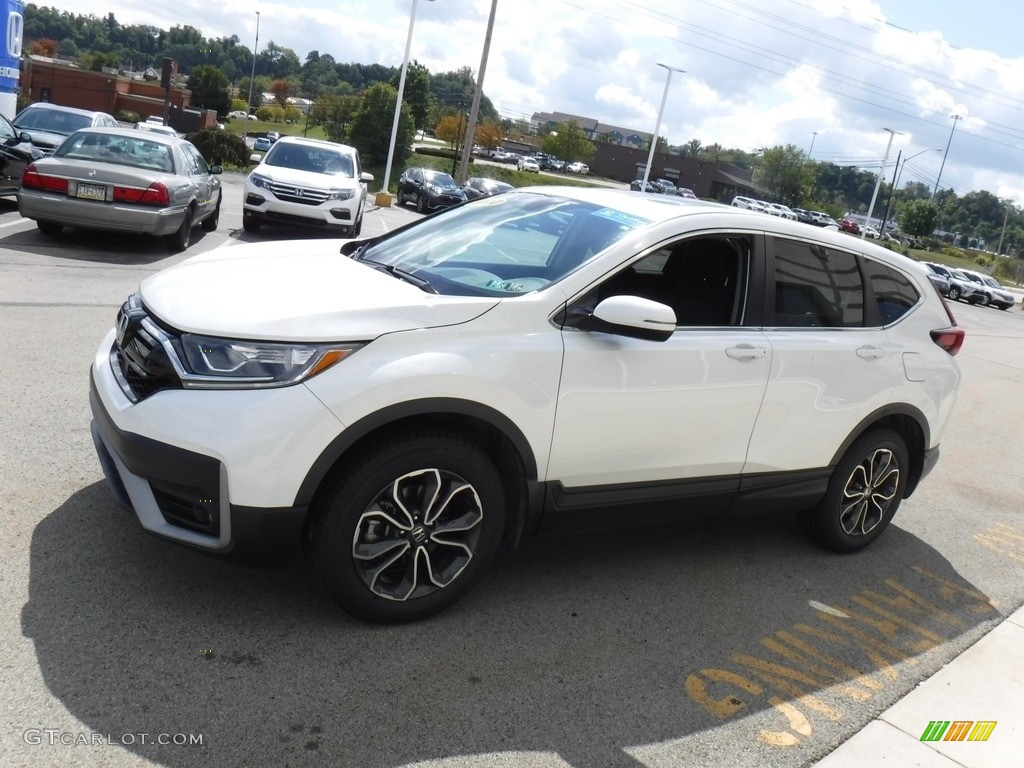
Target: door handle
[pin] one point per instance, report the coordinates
(746, 352)
(869, 352)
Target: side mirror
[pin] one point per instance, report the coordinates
(215, 169)
(254, 158)
(365, 177)
(630, 316)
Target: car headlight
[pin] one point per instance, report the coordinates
(228, 363)
(341, 194)
(259, 181)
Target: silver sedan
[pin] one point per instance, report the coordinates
(122, 180)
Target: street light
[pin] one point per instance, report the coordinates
(878, 181)
(814, 135)
(398, 101)
(936, 190)
(657, 125)
(896, 183)
(252, 76)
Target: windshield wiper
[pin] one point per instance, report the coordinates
(401, 274)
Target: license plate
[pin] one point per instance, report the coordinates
(91, 192)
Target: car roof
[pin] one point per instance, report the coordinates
(303, 141)
(133, 133)
(60, 108)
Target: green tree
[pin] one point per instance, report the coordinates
(785, 173)
(569, 142)
(334, 114)
(917, 217)
(417, 92)
(210, 89)
(221, 147)
(370, 131)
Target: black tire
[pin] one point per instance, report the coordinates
(210, 222)
(250, 224)
(49, 228)
(182, 238)
(954, 292)
(421, 204)
(383, 561)
(863, 493)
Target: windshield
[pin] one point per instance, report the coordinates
(439, 178)
(302, 157)
(53, 121)
(502, 246)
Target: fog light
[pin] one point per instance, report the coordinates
(341, 213)
(254, 199)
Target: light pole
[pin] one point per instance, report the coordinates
(252, 76)
(945, 154)
(896, 183)
(657, 125)
(398, 107)
(878, 181)
(814, 135)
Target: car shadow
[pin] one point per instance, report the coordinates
(95, 246)
(585, 646)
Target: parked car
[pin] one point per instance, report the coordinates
(16, 152)
(309, 183)
(273, 136)
(123, 180)
(529, 164)
(666, 186)
(637, 184)
(551, 163)
(407, 406)
(261, 144)
(239, 114)
(849, 225)
(155, 127)
(1001, 298)
(478, 187)
(499, 155)
(511, 158)
(778, 209)
(686, 192)
(871, 232)
(960, 288)
(49, 124)
(579, 168)
(428, 189)
(802, 215)
(745, 202)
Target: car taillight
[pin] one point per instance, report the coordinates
(32, 179)
(155, 194)
(952, 338)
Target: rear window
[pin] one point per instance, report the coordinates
(119, 150)
(894, 293)
(816, 287)
(52, 121)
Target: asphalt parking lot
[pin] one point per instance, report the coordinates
(731, 643)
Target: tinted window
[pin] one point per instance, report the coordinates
(702, 279)
(816, 287)
(893, 291)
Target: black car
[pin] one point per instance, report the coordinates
(637, 184)
(478, 187)
(551, 163)
(428, 189)
(16, 151)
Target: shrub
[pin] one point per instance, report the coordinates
(221, 147)
(126, 116)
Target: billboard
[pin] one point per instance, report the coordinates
(10, 61)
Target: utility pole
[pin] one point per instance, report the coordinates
(892, 189)
(473, 110)
(944, 154)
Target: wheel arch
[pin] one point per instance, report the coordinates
(906, 420)
(493, 431)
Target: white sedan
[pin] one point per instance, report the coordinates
(577, 167)
(528, 164)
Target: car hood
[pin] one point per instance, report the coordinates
(302, 290)
(282, 175)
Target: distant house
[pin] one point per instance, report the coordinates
(593, 129)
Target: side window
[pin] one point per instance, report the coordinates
(894, 294)
(191, 165)
(703, 279)
(816, 287)
(198, 158)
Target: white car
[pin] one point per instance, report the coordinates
(546, 360)
(870, 232)
(581, 168)
(778, 209)
(528, 164)
(747, 202)
(240, 115)
(307, 182)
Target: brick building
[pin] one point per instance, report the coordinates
(58, 82)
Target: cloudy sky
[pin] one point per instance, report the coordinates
(826, 75)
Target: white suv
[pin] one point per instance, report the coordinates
(309, 183)
(545, 360)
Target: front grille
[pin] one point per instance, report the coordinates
(302, 195)
(139, 356)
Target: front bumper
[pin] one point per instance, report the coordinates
(264, 206)
(215, 470)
